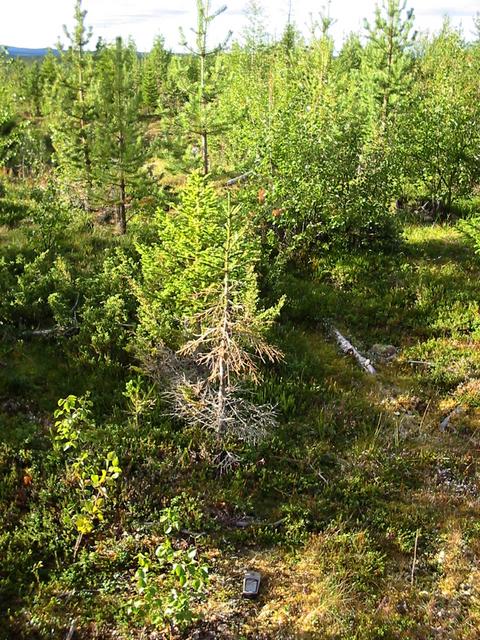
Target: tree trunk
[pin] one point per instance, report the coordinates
(223, 365)
(206, 162)
(221, 398)
(122, 210)
(450, 192)
(223, 376)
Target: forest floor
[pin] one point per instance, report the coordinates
(361, 513)
(397, 552)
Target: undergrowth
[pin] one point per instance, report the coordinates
(360, 513)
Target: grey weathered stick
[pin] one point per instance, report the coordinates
(238, 179)
(446, 421)
(55, 332)
(71, 631)
(425, 413)
(41, 333)
(414, 563)
(347, 347)
(77, 545)
(243, 524)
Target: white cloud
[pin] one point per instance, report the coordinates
(36, 23)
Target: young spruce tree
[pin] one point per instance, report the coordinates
(199, 306)
(73, 111)
(201, 108)
(154, 75)
(388, 59)
(120, 146)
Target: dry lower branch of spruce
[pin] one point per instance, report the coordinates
(197, 403)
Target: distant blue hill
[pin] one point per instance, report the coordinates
(22, 52)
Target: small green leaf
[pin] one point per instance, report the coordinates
(84, 524)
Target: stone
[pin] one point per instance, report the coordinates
(384, 352)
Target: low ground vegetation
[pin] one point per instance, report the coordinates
(332, 507)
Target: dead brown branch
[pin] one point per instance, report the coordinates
(197, 403)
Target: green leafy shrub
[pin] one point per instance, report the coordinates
(170, 583)
(92, 478)
(34, 283)
(12, 212)
(50, 220)
(447, 363)
(99, 304)
(471, 228)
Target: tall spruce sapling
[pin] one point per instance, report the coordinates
(73, 110)
(201, 108)
(199, 305)
(50, 68)
(388, 57)
(255, 35)
(154, 76)
(119, 151)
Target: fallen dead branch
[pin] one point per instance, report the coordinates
(245, 523)
(446, 421)
(57, 332)
(348, 348)
(239, 179)
(414, 562)
(54, 332)
(422, 362)
(71, 631)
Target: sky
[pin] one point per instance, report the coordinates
(38, 23)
